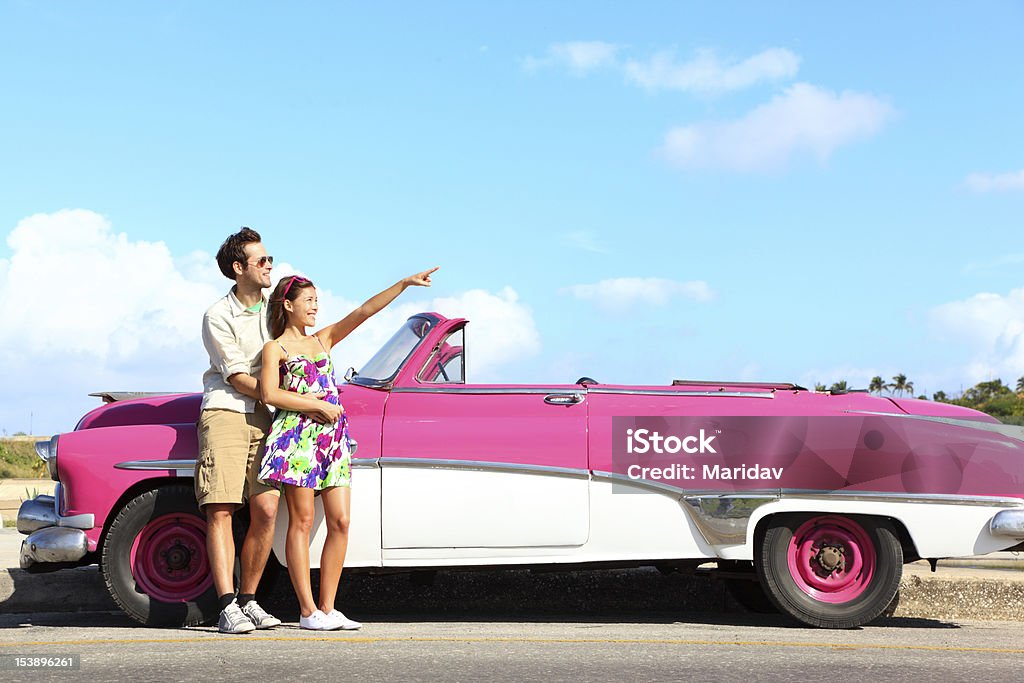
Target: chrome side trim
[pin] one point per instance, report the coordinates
(788, 386)
(655, 486)
(723, 519)
(590, 390)
(916, 498)
(1008, 523)
(364, 463)
(670, 392)
(881, 496)
(156, 465)
(186, 468)
(479, 465)
(1012, 431)
(115, 396)
(474, 390)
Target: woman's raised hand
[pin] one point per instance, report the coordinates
(419, 279)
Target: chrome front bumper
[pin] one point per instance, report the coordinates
(52, 538)
(53, 546)
(1008, 523)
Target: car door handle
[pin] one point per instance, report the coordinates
(563, 399)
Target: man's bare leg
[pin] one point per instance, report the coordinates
(220, 546)
(259, 540)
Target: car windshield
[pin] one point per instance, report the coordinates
(385, 363)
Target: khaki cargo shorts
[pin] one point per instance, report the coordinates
(231, 447)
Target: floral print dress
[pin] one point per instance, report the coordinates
(301, 451)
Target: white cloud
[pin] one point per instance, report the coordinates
(995, 182)
(992, 327)
(578, 56)
(85, 308)
(581, 239)
(707, 74)
(999, 263)
(621, 293)
(804, 119)
(74, 286)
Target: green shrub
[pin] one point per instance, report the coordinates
(18, 460)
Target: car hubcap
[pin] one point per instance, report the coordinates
(832, 559)
(169, 559)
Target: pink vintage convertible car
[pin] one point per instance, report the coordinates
(813, 500)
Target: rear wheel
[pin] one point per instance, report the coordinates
(833, 571)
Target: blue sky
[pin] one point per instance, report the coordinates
(645, 192)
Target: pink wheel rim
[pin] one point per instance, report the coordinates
(168, 558)
(832, 559)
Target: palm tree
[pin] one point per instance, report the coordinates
(1020, 385)
(839, 386)
(899, 383)
(818, 386)
(877, 385)
(909, 388)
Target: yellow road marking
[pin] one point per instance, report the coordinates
(214, 638)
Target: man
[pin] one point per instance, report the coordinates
(231, 430)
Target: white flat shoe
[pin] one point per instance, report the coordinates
(344, 623)
(318, 621)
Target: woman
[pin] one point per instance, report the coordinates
(309, 455)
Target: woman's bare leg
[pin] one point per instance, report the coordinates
(337, 505)
(296, 550)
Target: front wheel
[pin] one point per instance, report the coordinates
(155, 562)
(154, 559)
(832, 571)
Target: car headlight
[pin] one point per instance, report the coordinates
(47, 450)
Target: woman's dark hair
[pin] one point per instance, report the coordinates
(233, 250)
(287, 289)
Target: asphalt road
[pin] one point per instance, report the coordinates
(726, 647)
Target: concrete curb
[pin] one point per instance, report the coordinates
(990, 587)
(68, 590)
(947, 595)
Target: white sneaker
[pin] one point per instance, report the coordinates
(345, 624)
(259, 616)
(317, 621)
(233, 620)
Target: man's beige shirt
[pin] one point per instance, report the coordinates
(234, 338)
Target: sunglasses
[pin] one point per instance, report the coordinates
(262, 261)
(295, 278)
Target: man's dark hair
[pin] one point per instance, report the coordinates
(233, 250)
